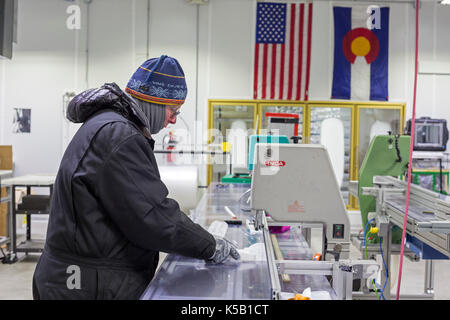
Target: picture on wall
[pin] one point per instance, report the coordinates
(22, 120)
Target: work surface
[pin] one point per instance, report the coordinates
(5, 173)
(32, 180)
(185, 278)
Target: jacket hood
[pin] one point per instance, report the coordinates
(109, 96)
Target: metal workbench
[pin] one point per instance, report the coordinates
(186, 278)
(28, 181)
(5, 199)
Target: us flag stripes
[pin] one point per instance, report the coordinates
(282, 51)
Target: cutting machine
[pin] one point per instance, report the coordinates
(293, 185)
(296, 184)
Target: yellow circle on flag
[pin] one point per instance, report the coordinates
(360, 46)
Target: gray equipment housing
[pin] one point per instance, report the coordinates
(295, 183)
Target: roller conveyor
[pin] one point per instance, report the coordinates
(428, 212)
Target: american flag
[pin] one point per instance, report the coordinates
(282, 51)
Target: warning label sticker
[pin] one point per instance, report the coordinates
(296, 208)
(274, 163)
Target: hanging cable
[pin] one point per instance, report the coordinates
(385, 267)
(374, 284)
(365, 236)
(397, 149)
(413, 121)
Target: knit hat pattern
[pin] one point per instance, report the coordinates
(159, 80)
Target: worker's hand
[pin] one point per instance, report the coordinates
(224, 248)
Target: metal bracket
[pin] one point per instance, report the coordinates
(370, 191)
(383, 225)
(259, 224)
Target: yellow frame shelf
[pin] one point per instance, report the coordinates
(355, 107)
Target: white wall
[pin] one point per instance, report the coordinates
(2, 98)
(50, 59)
(43, 66)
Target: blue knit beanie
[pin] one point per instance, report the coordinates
(159, 80)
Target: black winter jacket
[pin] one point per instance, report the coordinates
(110, 215)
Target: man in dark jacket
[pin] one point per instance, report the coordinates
(110, 215)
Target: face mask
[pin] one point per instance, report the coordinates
(155, 115)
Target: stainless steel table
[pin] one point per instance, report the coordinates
(185, 278)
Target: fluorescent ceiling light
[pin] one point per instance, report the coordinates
(445, 2)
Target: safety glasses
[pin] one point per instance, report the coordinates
(174, 112)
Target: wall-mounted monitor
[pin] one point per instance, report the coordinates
(430, 134)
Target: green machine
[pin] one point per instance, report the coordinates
(388, 155)
(236, 178)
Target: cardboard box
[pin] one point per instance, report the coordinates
(3, 219)
(3, 214)
(6, 158)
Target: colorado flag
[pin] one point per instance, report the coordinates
(361, 52)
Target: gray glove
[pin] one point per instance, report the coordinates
(224, 248)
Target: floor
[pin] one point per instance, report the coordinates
(413, 276)
(16, 279)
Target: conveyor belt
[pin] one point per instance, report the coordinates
(416, 211)
(185, 278)
(425, 207)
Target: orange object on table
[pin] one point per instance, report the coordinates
(298, 296)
